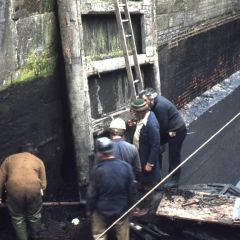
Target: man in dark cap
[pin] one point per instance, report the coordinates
(147, 139)
(172, 127)
(110, 191)
(24, 177)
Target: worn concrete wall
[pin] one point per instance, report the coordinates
(8, 54)
(27, 40)
(31, 97)
(174, 16)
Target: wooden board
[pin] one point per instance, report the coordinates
(201, 207)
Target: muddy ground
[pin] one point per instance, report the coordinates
(57, 226)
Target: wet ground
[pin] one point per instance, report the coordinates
(57, 226)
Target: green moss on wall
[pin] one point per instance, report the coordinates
(101, 37)
(38, 65)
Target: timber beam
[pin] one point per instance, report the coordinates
(112, 64)
(101, 125)
(108, 8)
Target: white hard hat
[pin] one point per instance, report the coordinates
(118, 123)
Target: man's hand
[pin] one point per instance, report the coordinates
(148, 167)
(132, 123)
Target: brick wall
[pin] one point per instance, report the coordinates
(198, 45)
(199, 62)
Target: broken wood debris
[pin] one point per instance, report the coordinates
(197, 206)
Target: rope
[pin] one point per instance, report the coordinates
(166, 177)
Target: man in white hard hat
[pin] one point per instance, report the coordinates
(122, 149)
(127, 152)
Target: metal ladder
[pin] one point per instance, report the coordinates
(126, 31)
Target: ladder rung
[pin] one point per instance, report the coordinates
(128, 37)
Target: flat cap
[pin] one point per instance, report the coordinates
(139, 105)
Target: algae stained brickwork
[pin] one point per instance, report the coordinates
(29, 45)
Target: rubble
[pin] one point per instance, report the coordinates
(204, 102)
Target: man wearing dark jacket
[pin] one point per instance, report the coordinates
(110, 191)
(172, 127)
(147, 139)
(24, 177)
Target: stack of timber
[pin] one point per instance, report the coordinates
(200, 206)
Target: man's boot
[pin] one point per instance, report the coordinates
(173, 183)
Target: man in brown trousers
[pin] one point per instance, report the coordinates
(24, 177)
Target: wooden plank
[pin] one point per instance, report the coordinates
(108, 8)
(200, 207)
(112, 64)
(102, 124)
(77, 84)
(51, 204)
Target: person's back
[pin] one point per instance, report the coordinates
(127, 152)
(167, 114)
(172, 129)
(23, 175)
(110, 192)
(26, 175)
(113, 179)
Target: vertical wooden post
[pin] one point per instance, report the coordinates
(71, 30)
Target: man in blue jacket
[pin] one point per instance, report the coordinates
(172, 127)
(147, 139)
(123, 149)
(110, 191)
